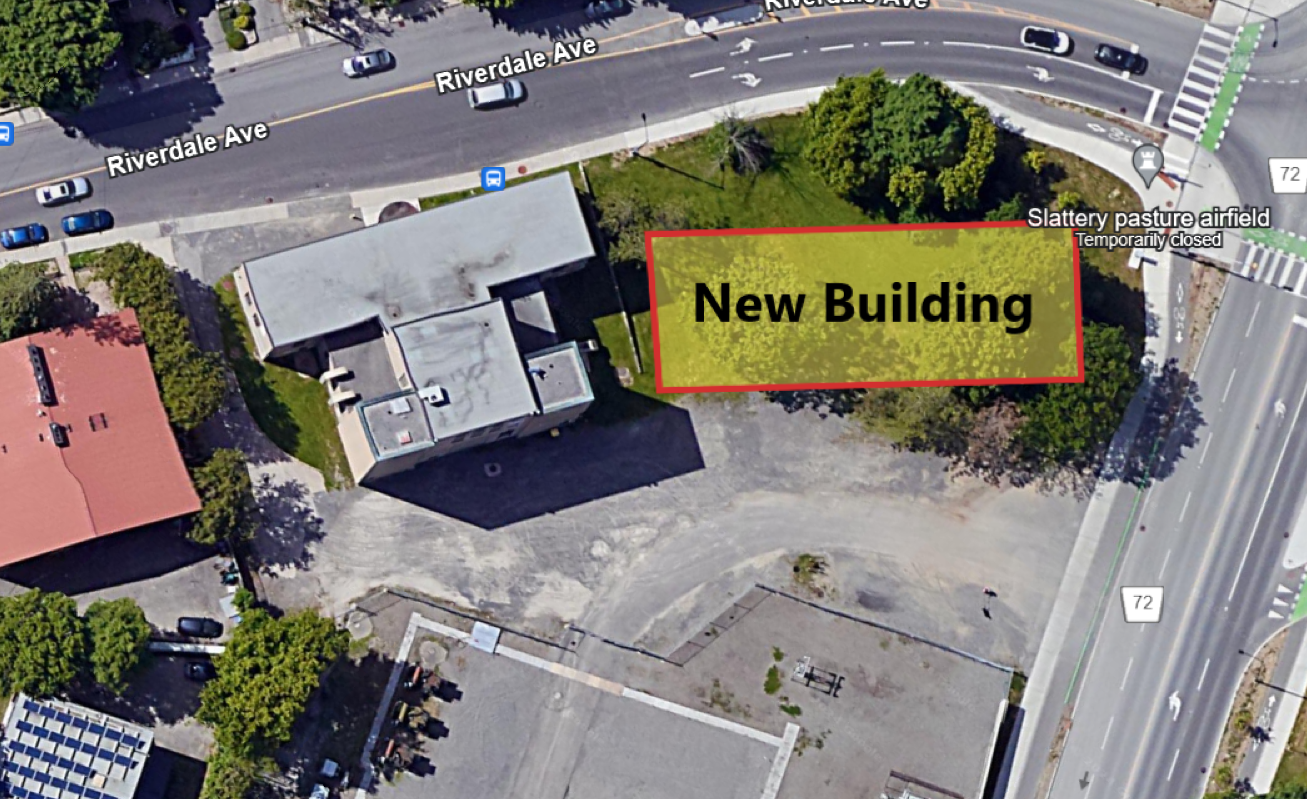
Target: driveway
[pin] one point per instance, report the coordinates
(646, 530)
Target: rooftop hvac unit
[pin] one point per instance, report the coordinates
(42, 375)
(435, 396)
(59, 434)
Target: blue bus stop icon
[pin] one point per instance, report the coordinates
(6, 134)
(492, 178)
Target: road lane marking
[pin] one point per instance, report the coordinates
(1171, 770)
(1127, 673)
(1165, 560)
(1299, 321)
(835, 47)
(1053, 58)
(774, 57)
(707, 72)
(1256, 308)
(1108, 732)
(897, 44)
(1205, 448)
(1203, 676)
(1187, 497)
(1152, 106)
(1288, 434)
(1233, 372)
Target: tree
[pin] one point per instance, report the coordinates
(27, 300)
(118, 636)
(1289, 790)
(991, 448)
(192, 384)
(625, 216)
(921, 418)
(265, 677)
(228, 776)
(838, 128)
(52, 51)
(228, 510)
(42, 643)
(738, 145)
(1068, 423)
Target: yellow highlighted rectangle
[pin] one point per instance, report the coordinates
(902, 305)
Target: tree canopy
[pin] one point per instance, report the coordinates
(27, 300)
(224, 486)
(191, 381)
(52, 51)
(118, 635)
(265, 677)
(625, 216)
(42, 643)
(919, 144)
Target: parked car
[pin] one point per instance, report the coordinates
(200, 671)
(1119, 58)
(26, 236)
(87, 222)
(603, 9)
(365, 64)
(64, 192)
(1046, 40)
(505, 92)
(199, 628)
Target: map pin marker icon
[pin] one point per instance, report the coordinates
(1148, 161)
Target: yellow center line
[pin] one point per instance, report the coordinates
(808, 13)
(966, 7)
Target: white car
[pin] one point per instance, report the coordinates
(496, 94)
(365, 64)
(65, 192)
(1046, 40)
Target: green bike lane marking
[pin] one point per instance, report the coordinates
(1231, 80)
(1277, 239)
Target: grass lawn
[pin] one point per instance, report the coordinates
(1293, 767)
(81, 260)
(290, 408)
(427, 203)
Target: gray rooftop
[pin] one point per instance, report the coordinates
(423, 264)
(559, 377)
(59, 750)
(471, 355)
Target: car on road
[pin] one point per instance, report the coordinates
(198, 627)
(603, 9)
(200, 670)
(1046, 40)
(507, 92)
(63, 192)
(87, 222)
(1119, 58)
(26, 236)
(364, 64)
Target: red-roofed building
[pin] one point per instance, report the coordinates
(90, 452)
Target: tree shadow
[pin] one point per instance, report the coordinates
(838, 402)
(567, 19)
(288, 524)
(159, 694)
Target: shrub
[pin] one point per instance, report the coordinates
(236, 40)
(244, 10)
(244, 22)
(1069, 200)
(739, 145)
(1035, 160)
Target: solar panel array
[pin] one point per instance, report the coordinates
(51, 754)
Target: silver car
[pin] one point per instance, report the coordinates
(365, 64)
(64, 192)
(505, 92)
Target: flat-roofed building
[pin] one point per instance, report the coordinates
(433, 333)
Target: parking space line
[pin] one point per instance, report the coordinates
(696, 715)
(782, 761)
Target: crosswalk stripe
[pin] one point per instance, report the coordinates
(1204, 93)
(1272, 614)
(1281, 589)
(1290, 271)
(1302, 279)
(1268, 272)
(1185, 112)
(1214, 77)
(1280, 603)
(1217, 33)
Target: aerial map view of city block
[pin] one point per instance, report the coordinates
(653, 399)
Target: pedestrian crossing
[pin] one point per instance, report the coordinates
(1285, 600)
(1202, 80)
(1274, 267)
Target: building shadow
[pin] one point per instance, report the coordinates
(117, 559)
(540, 475)
(567, 19)
(159, 694)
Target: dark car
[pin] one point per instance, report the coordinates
(602, 9)
(199, 628)
(365, 64)
(1119, 58)
(200, 671)
(87, 222)
(26, 236)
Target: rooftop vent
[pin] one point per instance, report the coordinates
(435, 396)
(42, 375)
(58, 434)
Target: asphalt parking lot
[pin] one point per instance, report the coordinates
(645, 530)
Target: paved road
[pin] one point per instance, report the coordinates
(421, 133)
(1270, 118)
(1212, 534)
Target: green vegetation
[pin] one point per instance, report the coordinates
(118, 635)
(1016, 689)
(738, 145)
(45, 645)
(147, 44)
(427, 203)
(776, 654)
(236, 41)
(75, 36)
(1292, 773)
(807, 569)
(792, 710)
(27, 300)
(290, 408)
(84, 260)
(224, 486)
(191, 381)
(265, 678)
(772, 684)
